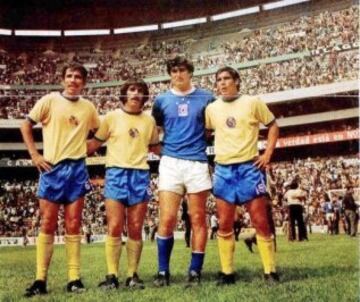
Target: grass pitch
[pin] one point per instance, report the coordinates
(324, 269)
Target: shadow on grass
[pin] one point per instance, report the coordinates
(287, 274)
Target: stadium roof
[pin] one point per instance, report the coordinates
(80, 14)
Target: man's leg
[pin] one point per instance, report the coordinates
(187, 232)
(352, 223)
(197, 213)
(258, 209)
(292, 232)
(115, 221)
(226, 240)
(169, 203)
(301, 224)
(45, 241)
(44, 246)
(72, 217)
(135, 220)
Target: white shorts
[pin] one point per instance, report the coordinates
(183, 176)
(330, 216)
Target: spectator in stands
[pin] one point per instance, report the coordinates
(154, 228)
(67, 120)
(185, 217)
(304, 33)
(296, 197)
(128, 132)
(350, 209)
(237, 224)
(239, 177)
(214, 226)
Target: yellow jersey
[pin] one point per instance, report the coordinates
(128, 137)
(65, 125)
(236, 125)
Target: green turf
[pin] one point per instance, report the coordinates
(324, 269)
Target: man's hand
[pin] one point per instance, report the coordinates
(262, 161)
(41, 164)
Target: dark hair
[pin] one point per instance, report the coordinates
(179, 61)
(349, 187)
(75, 66)
(134, 82)
(233, 73)
(294, 184)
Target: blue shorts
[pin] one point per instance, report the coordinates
(65, 182)
(128, 186)
(238, 183)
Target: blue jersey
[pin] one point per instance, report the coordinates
(182, 118)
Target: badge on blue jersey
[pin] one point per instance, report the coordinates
(183, 110)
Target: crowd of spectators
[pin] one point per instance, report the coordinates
(326, 29)
(322, 178)
(266, 78)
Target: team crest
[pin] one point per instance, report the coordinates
(73, 120)
(133, 132)
(231, 122)
(183, 110)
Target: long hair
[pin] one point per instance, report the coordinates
(134, 82)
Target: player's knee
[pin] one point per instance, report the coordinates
(72, 226)
(198, 220)
(48, 226)
(168, 222)
(166, 228)
(225, 225)
(134, 230)
(262, 226)
(114, 228)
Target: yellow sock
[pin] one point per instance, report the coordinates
(133, 249)
(44, 251)
(226, 243)
(113, 252)
(267, 253)
(72, 245)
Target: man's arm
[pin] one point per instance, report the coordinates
(38, 160)
(92, 145)
(273, 134)
(156, 149)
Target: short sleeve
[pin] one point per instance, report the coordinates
(154, 133)
(102, 134)
(157, 113)
(208, 123)
(95, 120)
(40, 113)
(262, 112)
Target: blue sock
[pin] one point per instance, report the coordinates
(197, 261)
(165, 246)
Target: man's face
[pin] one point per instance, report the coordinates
(226, 85)
(180, 77)
(73, 82)
(134, 96)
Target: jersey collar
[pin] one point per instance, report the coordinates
(178, 93)
(71, 99)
